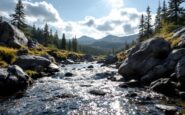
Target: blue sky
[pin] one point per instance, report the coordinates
(94, 18)
(75, 10)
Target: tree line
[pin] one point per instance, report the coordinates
(44, 35)
(168, 14)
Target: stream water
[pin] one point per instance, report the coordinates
(60, 95)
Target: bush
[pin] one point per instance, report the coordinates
(7, 54)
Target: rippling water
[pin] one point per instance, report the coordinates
(62, 95)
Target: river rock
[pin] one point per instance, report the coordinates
(32, 62)
(53, 68)
(90, 67)
(12, 36)
(164, 86)
(182, 95)
(68, 74)
(131, 84)
(68, 61)
(168, 110)
(97, 92)
(16, 70)
(12, 80)
(180, 71)
(144, 57)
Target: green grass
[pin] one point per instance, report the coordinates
(7, 55)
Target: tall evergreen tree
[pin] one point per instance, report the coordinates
(69, 45)
(158, 19)
(148, 26)
(141, 28)
(56, 39)
(63, 44)
(33, 32)
(175, 10)
(74, 44)
(164, 11)
(18, 16)
(46, 34)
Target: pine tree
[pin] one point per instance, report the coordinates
(33, 32)
(164, 11)
(175, 11)
(69, 45)
(56, 39)
(141, 29)
(148, 26)
(74, 44)
(46, 34)
(158, 19)
(18, 16)
(63, 44)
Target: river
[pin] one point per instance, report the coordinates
(61, 95)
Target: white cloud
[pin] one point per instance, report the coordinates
(120, 21)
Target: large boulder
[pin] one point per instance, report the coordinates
(11, 36)
(144, 57)
(13, 79)
(32, 62)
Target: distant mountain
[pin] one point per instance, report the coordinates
(85, 40)
(116, 39)
(107, 43)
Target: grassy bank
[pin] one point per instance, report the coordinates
(9, 55)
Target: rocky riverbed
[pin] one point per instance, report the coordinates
(89, 90)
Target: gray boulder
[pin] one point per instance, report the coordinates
(144, 57)
(180, 71)
(12, 36)
(53, 68)
(32, 62)
(12, 80)
(173, 58)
